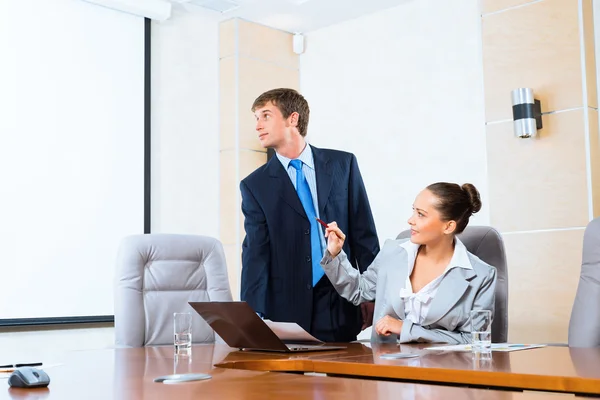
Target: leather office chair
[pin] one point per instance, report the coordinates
(157, 274)
(487, 244)
(584, 325)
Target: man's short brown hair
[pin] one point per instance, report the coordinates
(287, 101)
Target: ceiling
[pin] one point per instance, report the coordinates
(296, 16)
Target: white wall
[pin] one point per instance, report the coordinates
(403, 90)
(185, 148)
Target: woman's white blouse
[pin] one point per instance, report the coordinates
(416, 305)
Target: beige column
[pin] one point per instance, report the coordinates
(543, 191)
(252, 59)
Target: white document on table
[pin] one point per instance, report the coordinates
(495, 347)
(290, 332)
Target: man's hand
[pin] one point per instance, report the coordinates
(388, 325)
(366, 310)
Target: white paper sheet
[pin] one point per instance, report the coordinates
(495, 347)
(290, 331)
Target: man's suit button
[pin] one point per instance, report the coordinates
(308, 286)
(307, 232)
(307, 258)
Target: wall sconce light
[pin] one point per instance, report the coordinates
(527, 113)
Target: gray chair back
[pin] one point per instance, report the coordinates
(584, 325)
(486, 243)
(157, 275)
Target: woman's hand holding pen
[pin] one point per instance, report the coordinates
(335, 239)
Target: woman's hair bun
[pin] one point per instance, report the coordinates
(473, 197)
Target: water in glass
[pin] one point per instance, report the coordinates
(481, 340)
(183, 341)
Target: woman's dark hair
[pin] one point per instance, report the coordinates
(456, 203)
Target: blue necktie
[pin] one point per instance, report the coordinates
(315, 231)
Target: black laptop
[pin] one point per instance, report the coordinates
(240, 327)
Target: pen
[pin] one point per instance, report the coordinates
(11, 366)
(322, 223)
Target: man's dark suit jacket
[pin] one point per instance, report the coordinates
(276, 264)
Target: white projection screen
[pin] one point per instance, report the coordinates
(71, 154)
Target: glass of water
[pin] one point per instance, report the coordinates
(182, 328)
(481, 330)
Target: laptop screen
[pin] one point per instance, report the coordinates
(238, 325)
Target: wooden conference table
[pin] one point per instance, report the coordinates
(129, 374)
(560, 369)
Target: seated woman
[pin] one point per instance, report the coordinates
(424, 288)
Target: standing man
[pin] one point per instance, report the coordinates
(282, 279)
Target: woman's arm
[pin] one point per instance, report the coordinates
(348, 281)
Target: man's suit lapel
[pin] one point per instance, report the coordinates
(451, 289)
(324, 178)
(282, 185)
